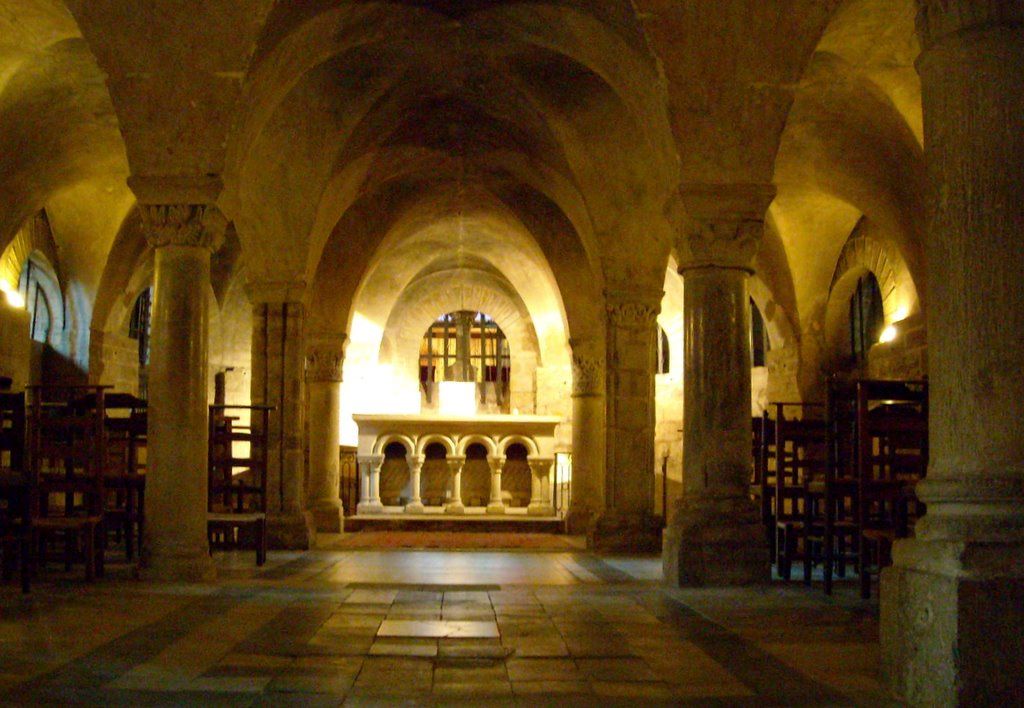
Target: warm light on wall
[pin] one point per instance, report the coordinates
(457, 398)
(888, 334)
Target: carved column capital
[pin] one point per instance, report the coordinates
(455, 464)
(721, 225)
(325, 359)
(198, 225)
(587, 374)
(636, 310)
(540, 466)
(939, 19)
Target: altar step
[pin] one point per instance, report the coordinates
(469, 523)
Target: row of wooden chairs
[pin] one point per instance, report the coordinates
(71, 473)
(72, 470)
(836, 481)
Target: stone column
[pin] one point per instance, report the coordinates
(628, 522)
(183, 237)
(415, 505)
(540, 501)
(369, 494)
(952, 607)
(714, 536)
(278, 363)
(455, 505)
(496, 505)
(586, 501)
(324, 357)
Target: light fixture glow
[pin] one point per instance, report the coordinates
(14, 298)
(457, 398)
(888, 334)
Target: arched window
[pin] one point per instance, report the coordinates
(758, 337)
(465, 346)
(867, 318)
(139, 327)
(32, 285)
(663, 351)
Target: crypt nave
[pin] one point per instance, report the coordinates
(501, 262)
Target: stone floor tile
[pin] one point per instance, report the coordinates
(442, 628)
(404, 647)
(491, 649)
(395, 676)
(644, 690)
(520, 669)
(363, 596)
(617, 669)
(549, 687)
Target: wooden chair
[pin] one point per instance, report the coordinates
(891, 457)
(762, 484)
(799, 460)
(124, 514)
(13, 481)
(67, 459)
(841, 537)
(237, 494)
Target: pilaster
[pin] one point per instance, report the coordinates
(278, 363)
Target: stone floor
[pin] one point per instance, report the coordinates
(360, 627)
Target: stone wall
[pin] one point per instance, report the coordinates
(114, 361)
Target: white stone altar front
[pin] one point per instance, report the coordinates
(496, 433)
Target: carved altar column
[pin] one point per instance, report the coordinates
(540, 487)
(183, 237)
(627, 522)
(278, 363)
(369, 488)
(415, 505)
(455, 505)
(586, 501)
(714, 536)
(496, 504)
(952, 607)
(324, 358)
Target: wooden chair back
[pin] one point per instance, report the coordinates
(67, 451)
(12, 432)
(238, 454)
(800, 437)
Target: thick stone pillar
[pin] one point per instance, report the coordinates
(628, 522)
(714, 535)
(496, 504)
(586, 501)
(415, 505)
(455, 505)
(183, 237)
(369, 488)
(952, 612)
(540, 487)
(324, 358)
(278, 363)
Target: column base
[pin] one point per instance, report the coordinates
(455, 508)
(540, 509)
(952, 622)
(195, 567)
(290, 532)
(369, 508)
(579, 522)
(414, 508)
(624, 533)
(328, 519)
(496, 508)
(715, 543)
